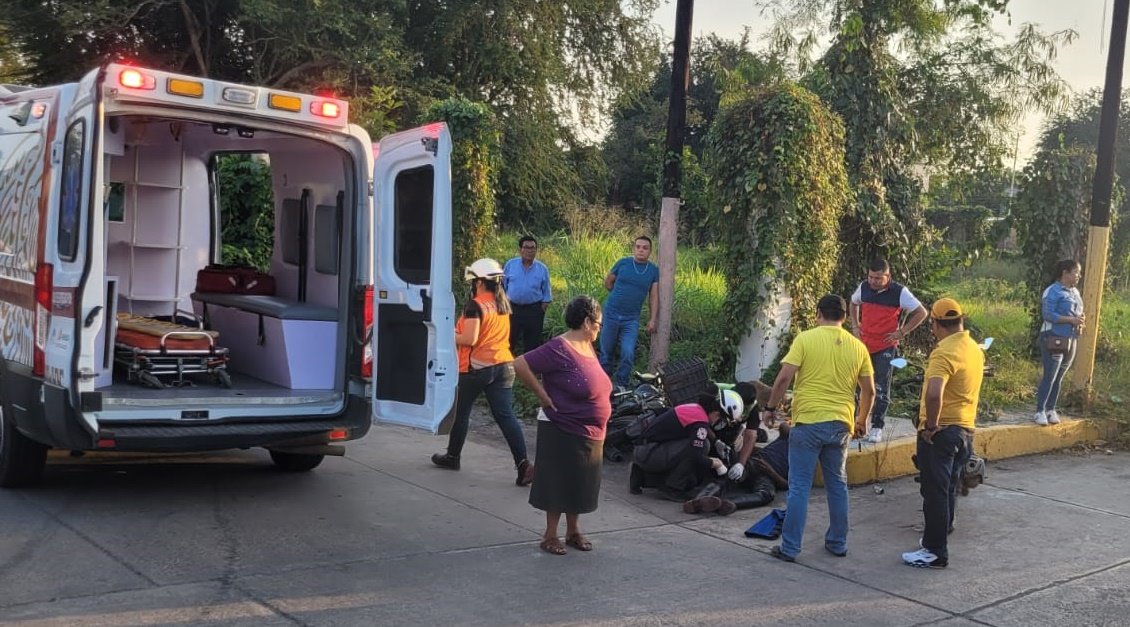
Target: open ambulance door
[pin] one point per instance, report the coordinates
(77, 311)
(415, 366)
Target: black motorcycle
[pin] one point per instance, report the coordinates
(629, 408)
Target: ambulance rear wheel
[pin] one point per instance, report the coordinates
(296, 462)
(21, 458)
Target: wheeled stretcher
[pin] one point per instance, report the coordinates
(150, 349)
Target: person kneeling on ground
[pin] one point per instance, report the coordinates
(753, 480)
(674, 456)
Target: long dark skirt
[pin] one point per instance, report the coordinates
(567, 475)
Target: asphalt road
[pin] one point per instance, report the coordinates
(381, 537)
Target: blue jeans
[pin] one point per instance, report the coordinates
(881, 362)
(498, 383)
(939, 467)
(827, 443)
(622, 330)
(1055, 366)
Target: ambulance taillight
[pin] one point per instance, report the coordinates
(44, 276)
(325, 109)
(367, 321)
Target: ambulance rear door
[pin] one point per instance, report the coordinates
(415, 368)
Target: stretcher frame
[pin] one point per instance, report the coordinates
(147, 365)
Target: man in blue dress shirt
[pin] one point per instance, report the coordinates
(526, 281)
(630, 282)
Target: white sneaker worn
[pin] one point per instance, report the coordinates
(875, 435)
(923, 558)
(1053, 417)
(1041, 419)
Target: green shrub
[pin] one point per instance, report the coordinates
(474, 176)
(247, 209)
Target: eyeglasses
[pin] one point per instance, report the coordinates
(596, 323)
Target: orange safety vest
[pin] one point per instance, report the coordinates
(493, 346)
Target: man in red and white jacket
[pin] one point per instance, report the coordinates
(876, 312)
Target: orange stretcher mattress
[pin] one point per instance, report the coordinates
(146, 333)
(138, 339)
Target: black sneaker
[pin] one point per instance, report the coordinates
(443, 460)
(836, 553)
(781, 555)
(635, 479)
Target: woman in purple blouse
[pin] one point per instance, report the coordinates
(574, 393)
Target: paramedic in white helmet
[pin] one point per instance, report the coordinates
(675, 455)
(486, 365)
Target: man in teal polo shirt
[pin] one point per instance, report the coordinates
(630, 281)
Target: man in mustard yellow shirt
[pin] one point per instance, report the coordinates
(946, 419)
(828, 363)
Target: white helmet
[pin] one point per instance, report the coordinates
(732, 405)
(484, 268)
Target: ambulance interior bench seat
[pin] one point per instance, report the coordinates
(274, 339)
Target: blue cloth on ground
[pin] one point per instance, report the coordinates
(769, 527)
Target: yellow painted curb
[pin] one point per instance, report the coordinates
(892, 459)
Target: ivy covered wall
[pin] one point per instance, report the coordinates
(776, 156)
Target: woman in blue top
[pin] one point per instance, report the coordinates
(1062, 309)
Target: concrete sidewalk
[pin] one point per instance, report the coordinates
(382, 537)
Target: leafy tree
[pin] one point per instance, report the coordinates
(13, 69)
(973, 209)
(918, 83)
(634, 147)
(530, 53)
(1078, 126)
(338, 44)
(537, 65)
(991, 187)
(541, 175)
(1051, 215)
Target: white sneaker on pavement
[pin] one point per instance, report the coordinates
(875, 435)
(923, 558)
(1053, 417)
(1041, 419)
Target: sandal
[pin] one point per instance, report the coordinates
(579, 542)
(552, 546)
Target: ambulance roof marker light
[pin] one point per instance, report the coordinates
(136, 80)
(239, 95)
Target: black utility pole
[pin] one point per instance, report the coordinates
(672, 180)
(1098, 238)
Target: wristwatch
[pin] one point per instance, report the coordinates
(769, 409)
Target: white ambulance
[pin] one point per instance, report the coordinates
(109, 209)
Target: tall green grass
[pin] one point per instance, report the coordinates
(578, 265)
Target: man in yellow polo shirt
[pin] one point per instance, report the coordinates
(828, 363)
(946, 419)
